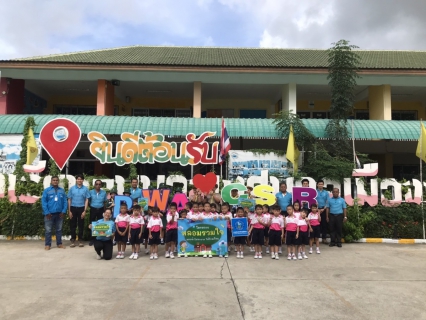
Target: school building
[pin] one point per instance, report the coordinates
(177, 90)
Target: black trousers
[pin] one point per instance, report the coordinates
(104, 247)
(336, 224)
(95, 215)
(323, 224)
(77, 221)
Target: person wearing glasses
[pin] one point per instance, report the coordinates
(98, 198)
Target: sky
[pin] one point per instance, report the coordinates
(42, 27)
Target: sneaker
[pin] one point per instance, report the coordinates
(155, 256)
(318, 251)
(259, 255)
(280, 251)
(151, 257)
(122, 255)
(91, 243)
(226, 256)
(220, 256)
(256, 256)
(277, 257)
(61, 246)
(131, 256)
(47, 248)
(118, 256)
(300, 256)
(304, 255)
(294, 257)
(238, 255)
(310, 250)
(81, 244)
(135, 256)
(172, 256)
(205, 256)
(167, 255)
(273, 255)
(72, 245)
(241, 255)
(98, 257)
(210, 256)
(185, 255)
(289, 257)
(146, 251)
(128, 242)
(267, 249)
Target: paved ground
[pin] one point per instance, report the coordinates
(359, 281)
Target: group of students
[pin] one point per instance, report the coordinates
(268, 226)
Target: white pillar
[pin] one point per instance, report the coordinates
(289, 99)
(196, 113)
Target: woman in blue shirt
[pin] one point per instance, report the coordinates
(103, 244)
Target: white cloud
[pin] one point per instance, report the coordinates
(269, 41)
(208, 42)
(12, 149)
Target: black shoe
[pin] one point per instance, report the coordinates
(91, 243)
(339, 245)
(332, 245)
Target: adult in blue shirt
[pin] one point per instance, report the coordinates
(283, 198)
(97, 201)
(135, 192)
(322, 200)
(78, 201)
(336, 216)
(103, 244)
(54, 204)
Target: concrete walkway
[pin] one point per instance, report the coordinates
(359, 281)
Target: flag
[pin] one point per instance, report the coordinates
(225, 144)
(421, 146)
(292, 150)
(32, 150)
(358, 163)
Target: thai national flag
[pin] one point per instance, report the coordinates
(225, 144)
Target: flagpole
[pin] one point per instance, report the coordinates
(421, 174)
(353, 143)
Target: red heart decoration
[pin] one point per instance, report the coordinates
(205, 183)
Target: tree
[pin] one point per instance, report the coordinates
(342, 75)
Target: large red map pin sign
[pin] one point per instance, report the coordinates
(60, 137)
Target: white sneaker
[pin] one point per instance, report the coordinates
(167, 254)
(277, 257)
(151, 257)
(310, 250)
(318, 251)
(259, 256)
(205, 256)
(251, 249)
(131, 256)
(255, 256)
(172, 256)
(241, 255)
(280, 251)
(273, 255)
(118, 256)
(122, 255)
(267, 249)
(289, 257)
(294, 257)
(98, 257)
(210, 256)
(226, 256)
(304, 256)
(135, 256)
(147, 251)
(238, 255)
(220, 256)
(185, 255)
(155, 256)
(300, 256)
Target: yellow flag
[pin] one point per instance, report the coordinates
(421, 146)
(292, 150)
(32, 150)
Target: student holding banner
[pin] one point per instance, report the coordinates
(103, 244)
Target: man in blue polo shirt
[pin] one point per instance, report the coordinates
(283, 198)
(98, 199)
(135, 191)
(78, 201)
(54, 204)
(336, 216)
(322, 200)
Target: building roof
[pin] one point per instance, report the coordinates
(228, 57)
(246, 128)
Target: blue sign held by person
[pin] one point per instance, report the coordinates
(239, 227)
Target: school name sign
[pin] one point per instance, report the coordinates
(151, 147)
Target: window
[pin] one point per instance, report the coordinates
(252, 114)
(219, 113)
(71, 109)
(304, 114)
(182, 113)
(404, 115)
(362, 115)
